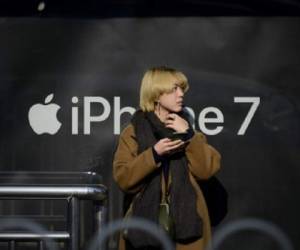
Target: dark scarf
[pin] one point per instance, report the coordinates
(149, 129)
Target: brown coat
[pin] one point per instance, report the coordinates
(129, 169)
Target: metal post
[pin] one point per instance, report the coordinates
(100, 214)
(73, 223)
(12, 245)
(41, 245)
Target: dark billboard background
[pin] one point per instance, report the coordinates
(104, 61)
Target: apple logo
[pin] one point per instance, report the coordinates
(42, 118)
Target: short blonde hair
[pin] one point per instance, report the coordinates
(157, 81)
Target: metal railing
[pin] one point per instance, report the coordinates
(72, 194)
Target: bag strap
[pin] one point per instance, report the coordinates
(165, 198)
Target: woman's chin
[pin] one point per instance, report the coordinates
(177, 109)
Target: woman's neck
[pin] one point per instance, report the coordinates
(161, 113)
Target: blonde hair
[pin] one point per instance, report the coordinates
(157, 81)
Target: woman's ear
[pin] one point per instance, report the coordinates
(156, 103)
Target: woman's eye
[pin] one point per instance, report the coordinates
(175, 88)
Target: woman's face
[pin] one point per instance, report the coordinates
(172, 101)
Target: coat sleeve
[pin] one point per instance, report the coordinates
(129, 169)
(204, 160)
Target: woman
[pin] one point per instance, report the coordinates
(154, 169)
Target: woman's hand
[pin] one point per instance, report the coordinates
(177, 123)
(167, 146)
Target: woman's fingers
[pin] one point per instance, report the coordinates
(166, 140)
(175, 144)
(176, 122)
(172, 116)
(170, 125)
(167, 146)
(172, 142)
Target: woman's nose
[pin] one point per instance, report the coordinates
(180, 92)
